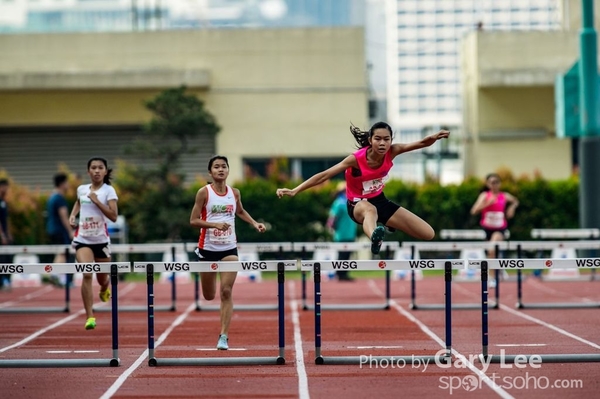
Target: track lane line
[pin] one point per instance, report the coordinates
(303, 392)
(26, 297)
(535, 320)
(483, 377)
(123, 377)
(58, 323)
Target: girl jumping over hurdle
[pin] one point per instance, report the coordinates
(96, 203)
(214, 213)
(366, 171)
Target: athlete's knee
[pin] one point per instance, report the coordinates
(226, 293)
(87, 277)
(428, 233)
(209, 296)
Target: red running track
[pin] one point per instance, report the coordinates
(398, 331)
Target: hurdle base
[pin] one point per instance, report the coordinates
(46, 363)
(343, 306)
(133, 308)
(360, 360)
(547, 358)
(457, 306)
(217, 361)
(256, 307)
(565, 305)
(35, 310)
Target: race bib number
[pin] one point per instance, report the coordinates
(92, 226)
(221, 236)
(372, 186)
(493, 219)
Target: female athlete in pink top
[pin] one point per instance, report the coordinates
(366, 171)
(495, 207)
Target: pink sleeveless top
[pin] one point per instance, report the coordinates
(492, 217)
(369, 182)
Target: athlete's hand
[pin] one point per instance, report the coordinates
(222, 226)
(72, 221)
(285, 191)
(260, 227)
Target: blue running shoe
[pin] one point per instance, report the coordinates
(377, 239)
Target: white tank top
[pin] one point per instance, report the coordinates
(92, 228)
(218, 209)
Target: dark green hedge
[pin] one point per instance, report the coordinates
(544, 204)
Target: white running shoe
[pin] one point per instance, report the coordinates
(222, 343)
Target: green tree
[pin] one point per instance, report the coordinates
(155, 199)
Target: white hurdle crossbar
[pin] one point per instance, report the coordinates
(114, 268)
(316, 266)
(549, 245)
(450, 246)
(260, 247)
(301, 249)
(38, 250)
(279, 266)
(486, 264)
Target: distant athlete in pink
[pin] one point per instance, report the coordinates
(214, 212)
(496, 207)
(366, 171)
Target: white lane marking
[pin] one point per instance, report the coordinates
(482, 376)
(303, 392)
(123, 377)
(58, 323)
(375, 347)
(24, 298)
(515, 345)
(215, 349)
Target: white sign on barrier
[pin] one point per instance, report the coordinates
(429, 264)
(455, 246)
(228, 266)
(343, 246)
(548, 264)
(64, 268)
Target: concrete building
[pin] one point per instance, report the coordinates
(276, 93)
(508, 96)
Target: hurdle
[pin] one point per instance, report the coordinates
(173, 248)
(567, 234)
(45, 250)
(114, 268)
(303, 247)
(469, 234)
(280, 266)
(484, 266)
(549, 245)
(318, 266)
(449, 246)
(260, 247)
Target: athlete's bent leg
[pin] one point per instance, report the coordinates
(365, 213)
(411, 224)
(208, 281)
(85, 255)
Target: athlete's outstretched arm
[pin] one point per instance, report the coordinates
(400, 148)
(244, 215)
(321, 177)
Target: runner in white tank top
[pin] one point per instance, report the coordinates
(214, 214)
(96, 204)
(219, 208)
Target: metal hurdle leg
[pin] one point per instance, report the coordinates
(220, 361)
(506, 359)
(166, 308)
(355, 306)
(113, 362)
(458, 306)
(357, 360)
(559, 305)
(249, 307)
